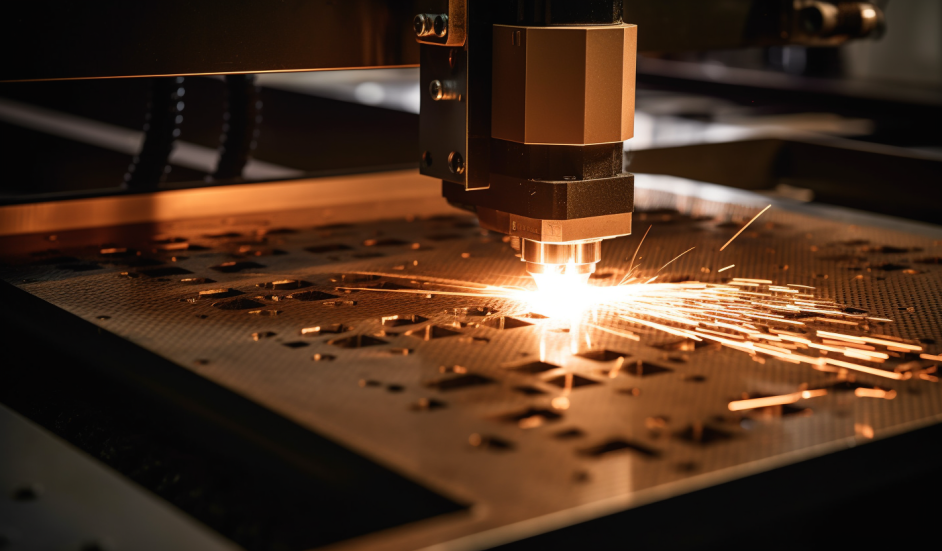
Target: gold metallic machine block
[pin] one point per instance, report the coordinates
(564, 85)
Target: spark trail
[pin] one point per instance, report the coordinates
(753, 316)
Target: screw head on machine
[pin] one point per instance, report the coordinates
(436, 90)
(455, 163)
(423, 25)
(444, 90)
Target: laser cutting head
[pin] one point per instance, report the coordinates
(530, 136)
(555, 247)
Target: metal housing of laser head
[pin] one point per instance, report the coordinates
(529, 131)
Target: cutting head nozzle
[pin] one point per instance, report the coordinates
(576, 258)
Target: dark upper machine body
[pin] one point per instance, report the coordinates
(525, 103)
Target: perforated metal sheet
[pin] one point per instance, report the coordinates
(385, 401)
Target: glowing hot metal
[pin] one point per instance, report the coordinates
(746, 314)
(754, 316)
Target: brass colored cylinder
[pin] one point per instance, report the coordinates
(579, 252)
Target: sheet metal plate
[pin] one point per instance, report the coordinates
(373, 398)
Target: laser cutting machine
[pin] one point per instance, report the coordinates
(263, 353)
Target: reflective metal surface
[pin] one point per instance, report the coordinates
(581, 252)
(555, 231)
(661, 428)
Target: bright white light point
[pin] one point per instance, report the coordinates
(553, 283)
(868, 13)
(562, 295)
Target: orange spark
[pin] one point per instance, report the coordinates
(754, 403)
(614, 372)
(875, 393)
(625, 334)
(632, 265)
(675, 258)
(747, 315)
(744, 227)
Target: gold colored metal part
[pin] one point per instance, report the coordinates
(564, 85)
(555, 231)
(580, 252)
(574, 260)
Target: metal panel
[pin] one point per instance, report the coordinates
(522, 479)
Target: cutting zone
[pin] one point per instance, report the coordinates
(702, 349)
